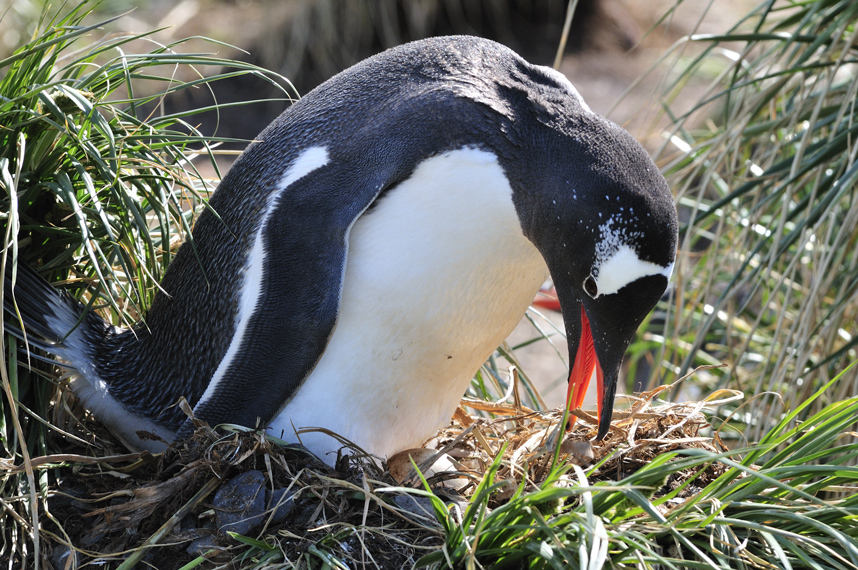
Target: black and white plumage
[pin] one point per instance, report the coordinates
(372, 248)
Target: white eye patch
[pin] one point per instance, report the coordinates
(623, 267)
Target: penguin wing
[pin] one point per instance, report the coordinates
(290, 289)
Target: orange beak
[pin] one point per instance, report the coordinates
(582, 372)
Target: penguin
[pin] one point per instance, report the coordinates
(372, 247)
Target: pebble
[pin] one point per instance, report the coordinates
(244, 502)
(200, 546)
(580, 452)
(60, 556)
(281, 502)
(240, 503)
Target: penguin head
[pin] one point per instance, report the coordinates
(601, 214)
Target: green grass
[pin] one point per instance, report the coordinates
(794, 508)
(764, 171)
(97, 187)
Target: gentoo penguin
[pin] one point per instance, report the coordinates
(371, 248)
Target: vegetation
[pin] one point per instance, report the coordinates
(98, 184)
(765, 175)
(764, 510)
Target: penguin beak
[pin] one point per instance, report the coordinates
(586, 362)
(584, 353)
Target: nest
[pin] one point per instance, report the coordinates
(154, 509)
(526, 440)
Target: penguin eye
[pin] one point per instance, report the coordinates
(590, 287)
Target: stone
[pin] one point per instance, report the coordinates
(202, 545)
(240, 503)
(279, 504)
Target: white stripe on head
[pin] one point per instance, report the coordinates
(254, 269)
(617, 263)
(624, 267)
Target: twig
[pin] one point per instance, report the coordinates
(484, 406)
(165, 529)
(567, 25)
(50, 461)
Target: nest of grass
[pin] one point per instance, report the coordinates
(161, 510)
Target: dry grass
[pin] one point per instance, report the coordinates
(108, 506)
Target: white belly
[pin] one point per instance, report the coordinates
(421, 310)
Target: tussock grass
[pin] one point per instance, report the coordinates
(97, 186)
(764, 169)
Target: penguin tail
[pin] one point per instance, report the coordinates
(49, 320)
(52, 322)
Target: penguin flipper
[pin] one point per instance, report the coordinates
(300, 255)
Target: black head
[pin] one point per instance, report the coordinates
(601, 214)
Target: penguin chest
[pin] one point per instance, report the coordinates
(437, 275)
